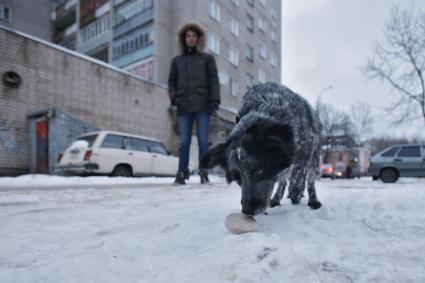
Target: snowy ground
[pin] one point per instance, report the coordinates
(144, 230)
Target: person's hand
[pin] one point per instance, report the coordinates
(172, 108)
(214, 106)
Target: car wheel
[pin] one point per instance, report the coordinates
(122, 171)
(389, 175)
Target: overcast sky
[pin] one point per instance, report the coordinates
(325, 42)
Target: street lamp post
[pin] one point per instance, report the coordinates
(329, 87)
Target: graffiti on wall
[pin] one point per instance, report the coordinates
(8, 142)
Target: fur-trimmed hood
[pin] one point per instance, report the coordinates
(201, 36)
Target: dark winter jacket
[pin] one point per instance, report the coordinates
(193, 80)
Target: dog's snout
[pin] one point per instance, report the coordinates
(253, 208)
(248, 211)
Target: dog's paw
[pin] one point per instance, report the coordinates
(274, 203)
(295, 201)
(314, 204)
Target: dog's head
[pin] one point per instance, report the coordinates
(257, 150)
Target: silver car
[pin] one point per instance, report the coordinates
(405, 160)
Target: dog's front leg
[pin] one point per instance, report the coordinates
(313, 202)
(279, 193)
(313, 174)
(297, 182)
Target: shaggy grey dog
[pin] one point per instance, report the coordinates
(276, 139)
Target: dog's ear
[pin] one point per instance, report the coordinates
(215, 156)
(271, 142)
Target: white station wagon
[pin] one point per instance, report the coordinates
(117, 154)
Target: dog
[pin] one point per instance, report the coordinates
(276, 139)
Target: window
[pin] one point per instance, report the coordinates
(214, 43)
(410, 151)
(215, 10)
(249, 53)
(249, 80)
(5, 13)
(391, 152)
(140, 145)
(250, 23)
(128, 143)
(143, 69)
(274, 60)
(262, 49)
(90, 139)
(250, 3)
(134, 8)
(132, 43)
(261, 76)
(234, 26)
(233, 87)
(156, 147)
(274, 36)
(262, 24)
(234, 56)
(113, 141)
(235, 2)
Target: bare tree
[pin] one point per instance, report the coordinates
(399, 61)
(378, 144)
(362, 119)
(337, 128)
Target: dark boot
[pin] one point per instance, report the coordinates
(179, 179)
(203, 173)
(187, 175)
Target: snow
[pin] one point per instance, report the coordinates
(54, 181)
(151, 231)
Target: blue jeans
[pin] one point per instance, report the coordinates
(185, 129)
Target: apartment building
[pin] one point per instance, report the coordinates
(31, 17)
(141, 36)
(243, 35)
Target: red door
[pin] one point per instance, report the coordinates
(42, 146)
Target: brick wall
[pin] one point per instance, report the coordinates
(94, 92)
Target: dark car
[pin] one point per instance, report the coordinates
(327, 171)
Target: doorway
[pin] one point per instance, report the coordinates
(42, 147)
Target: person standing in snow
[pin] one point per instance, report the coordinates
(195, 91)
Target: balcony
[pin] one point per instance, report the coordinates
(86, 47)
(65, 19)
(134, 57)
(136, 21)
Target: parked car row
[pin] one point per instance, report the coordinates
(122, 154)
(398, 161)
(117, 154)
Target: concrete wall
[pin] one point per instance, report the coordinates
(32, 17)
(94, 92)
